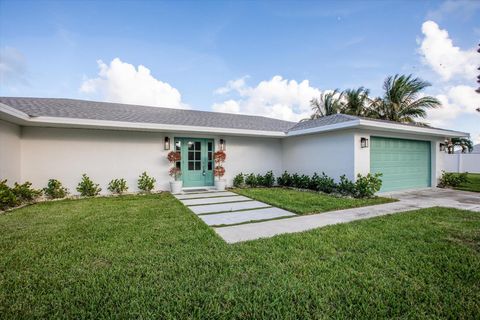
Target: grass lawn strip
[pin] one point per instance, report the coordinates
(307, 202)
(149, 257)
(473, 183)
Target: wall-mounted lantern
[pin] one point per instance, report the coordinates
(166, 145)
(222, 144)
(363, 142)
(443, 147)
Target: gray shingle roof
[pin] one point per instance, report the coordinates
(323, 121)
(81, 109)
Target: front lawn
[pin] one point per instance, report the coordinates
(150, 257)
(473, 183)
(307, 202)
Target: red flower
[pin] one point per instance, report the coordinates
(219, 171)
(174, 156)
(219, 156)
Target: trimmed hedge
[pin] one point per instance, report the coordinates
(363, 187)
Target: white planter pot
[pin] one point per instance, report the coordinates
(220, 185)
(176, 186)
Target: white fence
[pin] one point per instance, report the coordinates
(462, 162)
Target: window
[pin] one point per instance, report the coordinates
(194, 155)
(210, 155)
(178, 145)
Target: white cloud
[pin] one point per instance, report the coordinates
(278, 98)
(13, 68)
(443, 57)
(457, 100)
(122, 82)
(229, 106)
(232, 85)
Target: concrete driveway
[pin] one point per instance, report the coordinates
(435, 197)
(409, 200)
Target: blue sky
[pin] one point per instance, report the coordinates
(262, 57)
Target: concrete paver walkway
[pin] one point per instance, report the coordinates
(407, 201)
(194, 202)
(236, 217)
(228, 208)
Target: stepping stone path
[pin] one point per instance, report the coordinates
(227, 208)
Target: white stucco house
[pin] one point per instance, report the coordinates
(43, 138)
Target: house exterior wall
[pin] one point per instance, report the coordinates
(65, 154)
(362, 155)
(37, 154)
(330, 152)
(10, 152)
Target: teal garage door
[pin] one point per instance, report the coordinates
(405, 164)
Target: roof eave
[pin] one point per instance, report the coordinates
(411, 129)
(13, 115)
(327, 128)
(20, 118)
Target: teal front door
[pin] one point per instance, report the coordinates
(197, 161)
(405, 164)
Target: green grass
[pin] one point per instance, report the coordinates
(307, 202)
(150, 257)
(473, 183)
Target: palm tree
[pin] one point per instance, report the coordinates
(402, 100)
(356, 102)
(328, 104)
(465, 143)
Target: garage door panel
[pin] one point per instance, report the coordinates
(405, 164)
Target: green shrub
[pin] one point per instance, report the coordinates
(146, 183)
(118, 186)
(87, 188)
(25, 193)
(239, 181)
(326, 184)
(251, 180)
(55, 190)
(367, 186)
(304, 182)
(449, 179)
(285, 180)
(346, 186)
(268, 179)
(7, 197)
(260, 181)
(314, 181)
(295, 181)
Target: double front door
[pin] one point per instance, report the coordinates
(197, 161)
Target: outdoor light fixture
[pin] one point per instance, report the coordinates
(167, 143)
(222, 145)
(364, 142)
(442, 147)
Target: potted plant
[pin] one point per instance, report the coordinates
(175, 172)
(219, 170)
